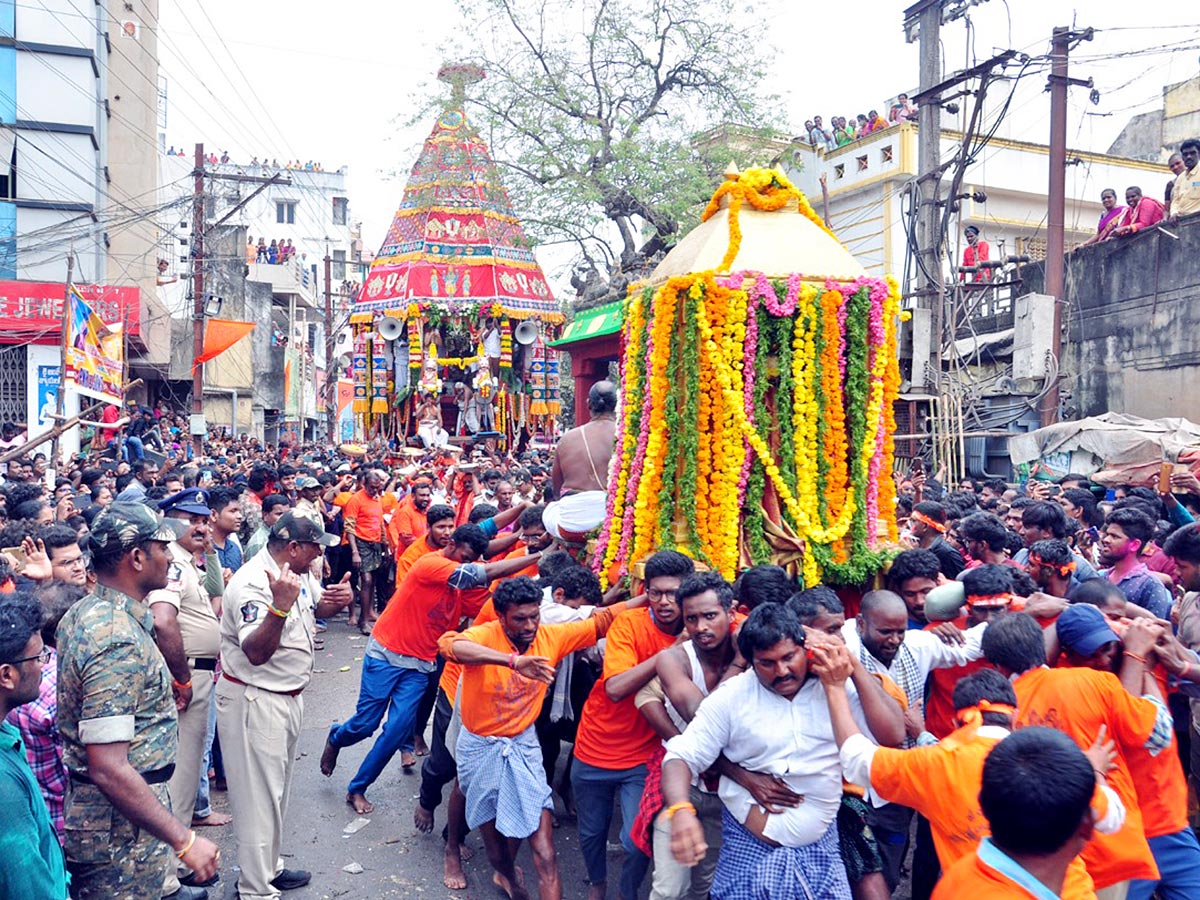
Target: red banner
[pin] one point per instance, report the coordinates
(32, 311)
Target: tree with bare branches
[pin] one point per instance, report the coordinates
(594, 108)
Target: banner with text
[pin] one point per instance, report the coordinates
(95, 352)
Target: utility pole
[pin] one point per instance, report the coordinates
(929, 293)
(61, 394)
(330, 374)
(1060, 49)
(198, 305)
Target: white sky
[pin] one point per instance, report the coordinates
(333, 82)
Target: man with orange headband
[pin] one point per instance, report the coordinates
(927, 524)
(1051, 565)
(942, 781)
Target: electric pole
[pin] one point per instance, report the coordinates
(330, 374)
(196, 426)
(1060, 50)
(929, 293)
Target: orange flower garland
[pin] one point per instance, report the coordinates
(834, 445)
(650, 486)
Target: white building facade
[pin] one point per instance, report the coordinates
(278, 376)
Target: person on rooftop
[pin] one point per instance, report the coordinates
(1141, 212)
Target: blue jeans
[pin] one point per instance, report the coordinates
(384, 687)
(1178, 859)
(132, 448)
(595, 789)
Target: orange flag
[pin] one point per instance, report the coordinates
(220, 335)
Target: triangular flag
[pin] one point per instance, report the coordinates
(219, 336)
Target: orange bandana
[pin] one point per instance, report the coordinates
(925, 520)
(1063, 571)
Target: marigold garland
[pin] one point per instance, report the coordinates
(701, 357)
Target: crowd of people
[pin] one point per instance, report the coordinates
(843, 130)
(1181, 197)
(1004, 714)
(292, 165)
(276, 253)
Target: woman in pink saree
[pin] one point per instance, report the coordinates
(1108, 219)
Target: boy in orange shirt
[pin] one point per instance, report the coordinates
(1080, 702)
(1037, 788)
(941, 781)
(1089, 640)
(614, 741)
(498, 755)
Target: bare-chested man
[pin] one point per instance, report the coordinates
(580, 471)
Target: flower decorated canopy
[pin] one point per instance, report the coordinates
(454, 242)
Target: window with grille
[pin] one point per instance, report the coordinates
(340, 207)
(13, 396)
(285, 212)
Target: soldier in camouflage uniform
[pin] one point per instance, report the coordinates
(117, 718)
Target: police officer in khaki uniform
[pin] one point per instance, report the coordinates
(267, 629)
(188, 633)
(116, 715)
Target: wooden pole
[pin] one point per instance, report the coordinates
(57, 431)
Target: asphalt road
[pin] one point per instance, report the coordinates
(397, 861)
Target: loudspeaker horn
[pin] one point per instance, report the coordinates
(390, 328)
(525, 333)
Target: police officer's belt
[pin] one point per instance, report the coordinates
(155, 776)
(229, 677)
(207, 663)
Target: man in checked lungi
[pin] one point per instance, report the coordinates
(507, 665)
(773, 718)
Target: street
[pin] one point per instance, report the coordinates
(396, 860)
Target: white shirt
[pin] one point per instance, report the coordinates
(764, 732)
(919, 654)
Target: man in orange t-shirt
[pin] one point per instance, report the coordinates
(439, 589)
(1037, 789)
(1088, 640)
(408, 523)
(614, 741)
(363, 517)
(1081, 702)
(499, 758)
(941, 781)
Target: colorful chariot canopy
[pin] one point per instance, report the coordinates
(455, 242)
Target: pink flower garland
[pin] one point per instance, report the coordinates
(614, 477)
(749, 373)
(877, 339)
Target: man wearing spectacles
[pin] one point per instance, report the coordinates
(68, 562)
(31, 860)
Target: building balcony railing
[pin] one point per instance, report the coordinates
(288, 278)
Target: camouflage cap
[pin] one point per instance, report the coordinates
(122, 526)
(306, 529)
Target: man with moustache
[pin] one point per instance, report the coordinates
(773, 718)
